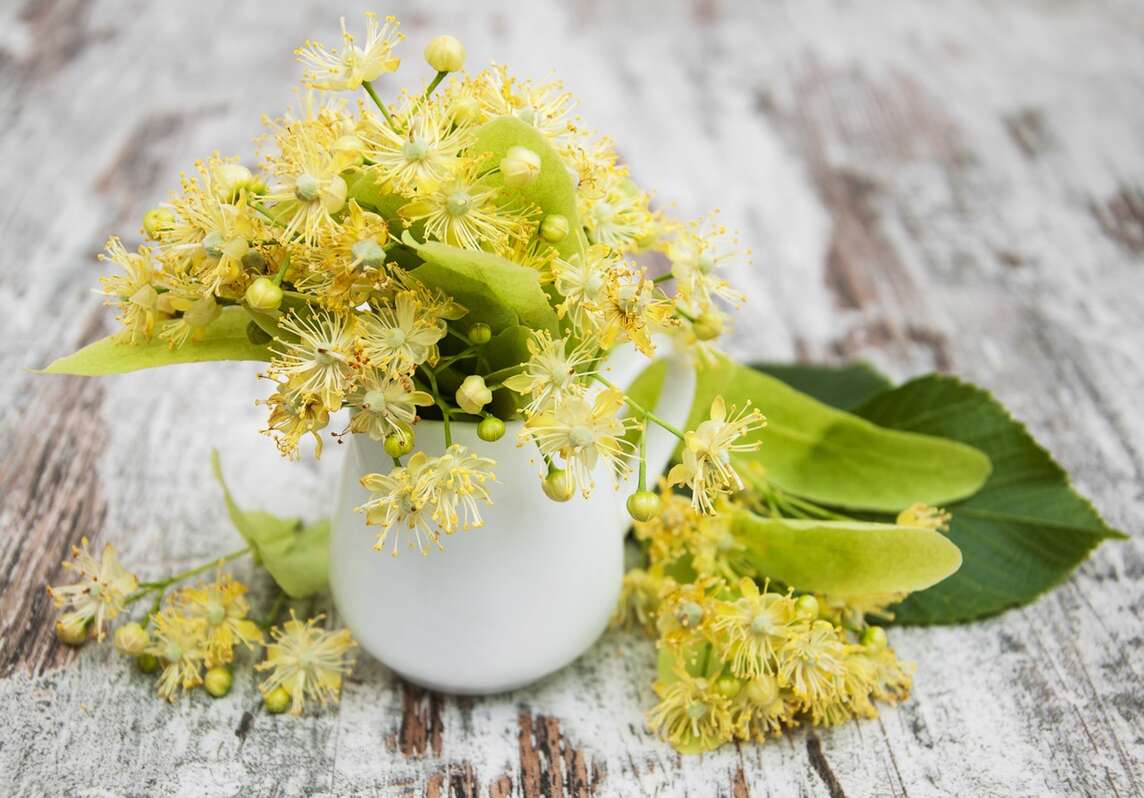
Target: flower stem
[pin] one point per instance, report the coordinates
(380, 105)
(161, 586)
(663, 278)
(445, 410)
(643, 457)
(636, 406)
(440, 76)
(282, 269)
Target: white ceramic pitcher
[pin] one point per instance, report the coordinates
(516, 599)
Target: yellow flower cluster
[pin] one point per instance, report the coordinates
(744, 662)
(190, 639)
(320, 246)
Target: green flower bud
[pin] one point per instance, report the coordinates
(256, 335)
(306, 188)
(480, 333)
(368, 253)
(473, 394)
(708, 326)
(806, 607)
(277, 701)
(490, 429)
(400, 442)
(554, 228)
(132, 638)
(147, 663)
(520, 167)
(643, 505)
(156, 220)
(728, 686)
(445, 54)
(874, 637)
(72, 630)
(763, 690)
(689, 614)
(263, 294)
(558, 485)
(465, 111)
(218, 681)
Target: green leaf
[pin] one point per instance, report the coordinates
(843, 387)
(846, 558)
(297, 555)
(553, 190)
(835, 458)
(494, 290)
(1022, 533)
(225, 339)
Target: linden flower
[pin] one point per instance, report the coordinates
(811, 662)
(584, 433)
(463, 212)
(307, 662)
(321, 362)
(669, 533)
(291, 417)
(630, 309)
(639, 599)
(706, 466)
(223, 608)
(691, 714)
(398, 500)
(686, 611)
(754, 627)
(385, 404)
(405, 335)
(619, 217)
(421, 156)
(346, 69)
(132, 292)
(761, 710)
(456, 480)
(349, 261)
(552, 374)
(580, 281)
(545, 107)
(694, 262)
(310, 190)
(180, 642)
(97, 596)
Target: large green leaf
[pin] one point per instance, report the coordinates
(846, 558)
(494, 290)
(815, 451)
(843, 387)
(553, 190)
(225, 339)
(1022, 533)
(297, 555)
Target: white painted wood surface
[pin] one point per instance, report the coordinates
(925, 185)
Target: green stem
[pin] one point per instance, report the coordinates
(275, 611)
(643, 457)
(282, 269)
(502, 374)
(440, 76)
(445, 409)
(636, 406)
(380, 105)
(149, 587)
(460, 336)
(663, 278)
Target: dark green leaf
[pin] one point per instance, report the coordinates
(1022, 533)
(843, 387)
(297, 555)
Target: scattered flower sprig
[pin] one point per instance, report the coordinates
(190, 636)
(319, 247)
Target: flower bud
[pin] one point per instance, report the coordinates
(806, 607)
(520, 167)
(263, 294)
(708, 326)
(643, 505)
(480, 333)
(763, 690)
(368, 253)
(156, 220)
(490, 429)
(218, 681)
(399, 442)
(874, 637)
(554, 228)
(728, 686)
(473, 394)
(277, 701)
(132, 638)
(147, 663)
(231, 179)
(465, 111)
(558, 485)
(72, 629)
(445, 54)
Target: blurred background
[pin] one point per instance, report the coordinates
(951, 186)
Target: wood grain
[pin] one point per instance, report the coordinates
(954, 186)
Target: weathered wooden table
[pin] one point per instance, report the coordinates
(952, 186)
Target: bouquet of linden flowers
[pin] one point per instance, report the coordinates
(470, 253)
(463, 253)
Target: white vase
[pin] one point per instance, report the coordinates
(514, 600)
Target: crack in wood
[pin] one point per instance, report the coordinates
(821, 766)
(549, 764)
(1121, 217)
(421, 724)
